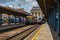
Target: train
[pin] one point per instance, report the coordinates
(37, 20)
(11, 20)
(0, 20)
(28, 20)
(34, 20)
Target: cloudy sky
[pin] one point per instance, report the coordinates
(26, 4)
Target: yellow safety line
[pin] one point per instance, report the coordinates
(34, 37)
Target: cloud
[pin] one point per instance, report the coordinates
(34, 3)
(20, 1)
(5, 1)
(28, 0)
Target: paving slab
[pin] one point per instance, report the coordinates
(44, 33)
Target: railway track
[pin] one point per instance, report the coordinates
(23, 35)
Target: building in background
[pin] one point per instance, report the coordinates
(36, 12)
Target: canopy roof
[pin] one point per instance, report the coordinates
(47, 6)
(13, 11)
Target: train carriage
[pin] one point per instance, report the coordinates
(39, 20)
(29, 20)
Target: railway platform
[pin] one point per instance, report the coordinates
(11, 26)
(44, 33)
(41, 33)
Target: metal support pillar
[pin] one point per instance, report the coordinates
(59, 17)
(0, 18)
(15, 18)
(54, 19)
(50, 20)
(19, 19)
(8, 19)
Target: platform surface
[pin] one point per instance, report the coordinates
(44, 33)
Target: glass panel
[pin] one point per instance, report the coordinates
(11, 19)
(17, 20)
(4, 19)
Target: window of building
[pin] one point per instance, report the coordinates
(32, 13)
(35, 13)
(39, 14)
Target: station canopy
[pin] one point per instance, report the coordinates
(47, 6)
(11, 10)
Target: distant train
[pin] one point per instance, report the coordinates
(5, 22)
(28, 20)
(0, 21)
(37, 20)
(11, 20)
(34, 20)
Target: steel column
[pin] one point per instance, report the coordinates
(54, 19)
(59, 17)
(0, 18)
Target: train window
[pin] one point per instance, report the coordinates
(20, 19)
(39, 18)
(0, 21)
(4, 19)
(17, 20)
(11, 19)
(35, 18)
